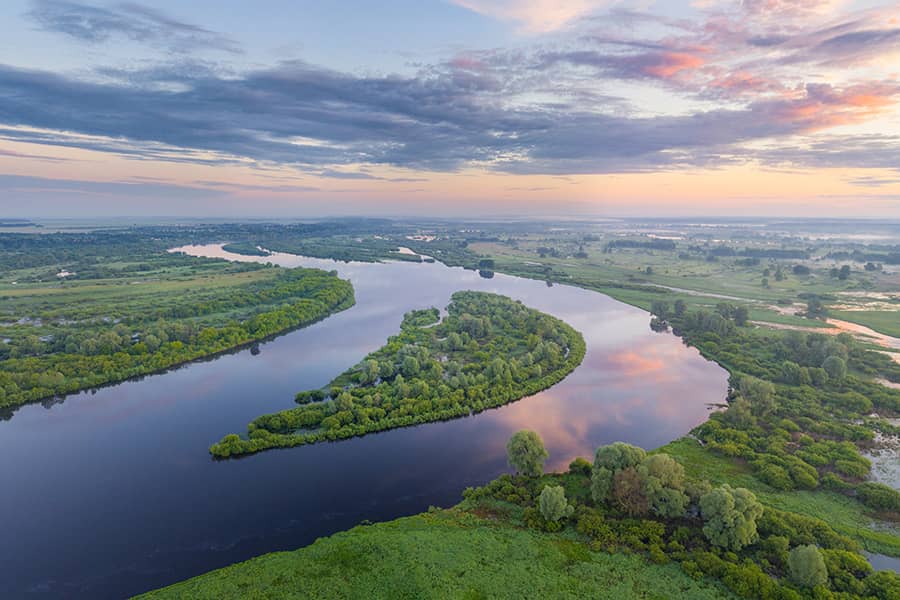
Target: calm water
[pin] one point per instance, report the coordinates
(113, 492)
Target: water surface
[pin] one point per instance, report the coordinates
(112, 492)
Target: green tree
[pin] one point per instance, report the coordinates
(663, 482)
(629, 493)
(835, 367)
(607, 462)
(730, 517)
(759, 393)
(807, 567)
(660, 308)
(739, 413)
(410, 366)
(553, 503)
(815, 309)
(526, 453)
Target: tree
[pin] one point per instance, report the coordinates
(835, 367)
(844, 273)
(739, 413)
(663, 485)
(526, 453)
(680, 307)
(794, 373)
(607, 461)
(730, 517)
(741, 316)
(628, 492)
(807, 566)
(660, 308)
(815, 309)
(410, 366)
(553, 503)
(759, 393)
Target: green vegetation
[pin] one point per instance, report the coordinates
(526, 453)
(793, 429)
(487, 352)
(777, 276)
(768, 498)
(730, 517)
(547, 536)
(807, 567)
(125, 307)
(553, 504)
(446, 554)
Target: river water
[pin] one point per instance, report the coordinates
(112, 492)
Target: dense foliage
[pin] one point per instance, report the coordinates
(488, 351)
(800, 405)
(722, 533)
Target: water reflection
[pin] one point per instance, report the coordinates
(120, 496)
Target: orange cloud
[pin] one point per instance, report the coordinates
(822, 106)
(670, 64)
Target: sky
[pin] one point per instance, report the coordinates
(289, 108)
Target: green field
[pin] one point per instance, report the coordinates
(80, 311)
(445, 554)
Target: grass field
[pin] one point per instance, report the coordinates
(677, 274)
(445, 554)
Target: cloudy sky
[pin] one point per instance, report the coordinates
(449, 107)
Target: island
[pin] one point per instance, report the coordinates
(488, 351)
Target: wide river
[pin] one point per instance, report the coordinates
(112, 492)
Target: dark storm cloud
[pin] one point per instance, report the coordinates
(136, 22)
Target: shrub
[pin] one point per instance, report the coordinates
(879, 496)
(553, 503)
(807, 567)
(580, 466)
(730, 516)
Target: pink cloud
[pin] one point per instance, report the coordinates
(821, 106)
(666, 65)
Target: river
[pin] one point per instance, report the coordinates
(112, 492)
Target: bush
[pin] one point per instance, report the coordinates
(580, 466)
(553, 503)
(807, 567)
(730, 516)
(879, 496)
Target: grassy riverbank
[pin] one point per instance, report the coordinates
(80, 311)
(445, 554)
